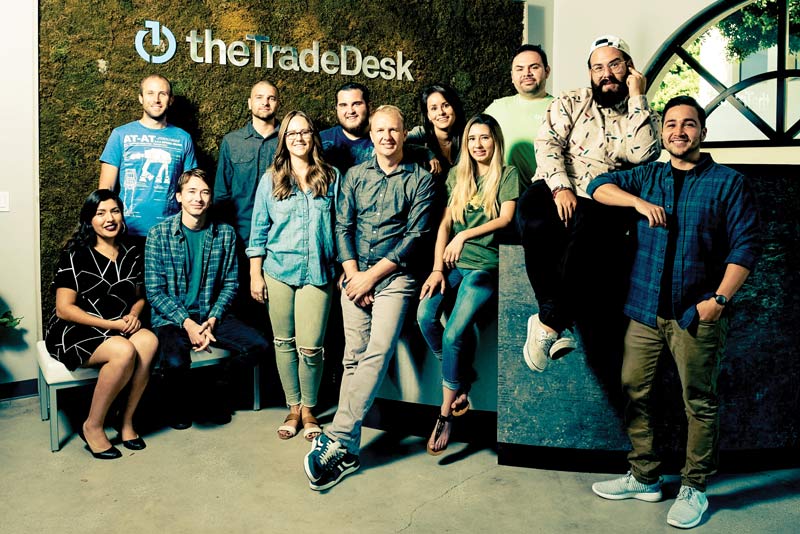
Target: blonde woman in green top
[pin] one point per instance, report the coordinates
(482, 196)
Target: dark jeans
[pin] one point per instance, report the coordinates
(574, 269)
(247, 344)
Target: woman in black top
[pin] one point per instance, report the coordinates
(99, 298)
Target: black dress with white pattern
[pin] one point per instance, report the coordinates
(105, 289)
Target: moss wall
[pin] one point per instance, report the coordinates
(89, 73)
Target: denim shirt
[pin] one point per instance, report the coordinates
(384, 216)
(717, 225)
(294, 235)
(244, 157)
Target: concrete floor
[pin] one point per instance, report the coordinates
(241, 478)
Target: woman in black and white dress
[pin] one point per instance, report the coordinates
(99, 297)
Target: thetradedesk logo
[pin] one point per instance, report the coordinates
(205, 49)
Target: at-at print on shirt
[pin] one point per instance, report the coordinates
(150, 163)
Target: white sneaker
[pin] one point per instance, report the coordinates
(537, 344)
(628, 487)
(562, 346)
(688, 508)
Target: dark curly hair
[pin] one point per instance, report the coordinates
(84, 235)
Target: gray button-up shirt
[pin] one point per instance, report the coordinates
(381, 215)
(244, 157)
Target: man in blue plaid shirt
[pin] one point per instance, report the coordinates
(190, 279)
(697, 243)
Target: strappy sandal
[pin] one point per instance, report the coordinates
(289, 428)
(441, 420)
(312, 431)
(461, 408)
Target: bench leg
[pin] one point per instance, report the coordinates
(44, 400)
(256, 387)
(53, 398)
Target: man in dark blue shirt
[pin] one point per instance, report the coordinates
(697, 243)
(382, 217)
(349, 143)
(244, 156)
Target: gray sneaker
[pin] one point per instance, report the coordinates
(562, 346)
(688, 508)
(537, 344)
(628, 487)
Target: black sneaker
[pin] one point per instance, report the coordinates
(323, 450)
(336, 470)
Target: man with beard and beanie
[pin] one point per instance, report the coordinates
(697, 241)
(570, 240)
(143, 159)
(349, 144)
(244, 155)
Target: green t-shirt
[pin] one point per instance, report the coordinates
(483, 252)
(195, 240)
(520, 119)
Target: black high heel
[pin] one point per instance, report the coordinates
(135, 444)
(112, 453)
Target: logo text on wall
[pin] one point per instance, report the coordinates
(261, 53)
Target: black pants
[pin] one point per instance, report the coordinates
(575, 270)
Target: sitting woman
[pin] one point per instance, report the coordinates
(442, 125)
(292, 263)
(482, 197)
(99, 288)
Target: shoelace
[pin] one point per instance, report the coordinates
(686, 493)
(331, 452)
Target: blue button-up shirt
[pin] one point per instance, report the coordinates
(717, 225)
(166, 280)
(244, 157)
(294, 235)
(381, 215)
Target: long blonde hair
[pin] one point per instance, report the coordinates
(320, 174)
(467, 173)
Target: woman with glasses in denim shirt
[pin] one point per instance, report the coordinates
(482, 196)
(292, 263)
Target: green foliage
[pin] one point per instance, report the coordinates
(89, 74)
(7, 320)
(755, 27)
(680, 80)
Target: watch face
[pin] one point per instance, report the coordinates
(721, 299)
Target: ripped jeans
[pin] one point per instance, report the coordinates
(299, 316)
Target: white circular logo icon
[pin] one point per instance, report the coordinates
(155, 31)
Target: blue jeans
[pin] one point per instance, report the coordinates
(466, 293)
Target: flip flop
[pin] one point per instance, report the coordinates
(310, 432)
(437, 431)
(290, 429)
(461, 408)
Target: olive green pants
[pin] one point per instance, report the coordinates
(299, 317)
(697, 353)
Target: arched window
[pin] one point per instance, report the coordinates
(741, 61)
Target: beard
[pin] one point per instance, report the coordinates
(609, 99)
(265, 116)
(359, 129)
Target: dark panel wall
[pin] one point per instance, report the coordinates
(89, 73)
(576, 403)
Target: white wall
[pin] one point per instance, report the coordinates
(644, 25)
(19, 227)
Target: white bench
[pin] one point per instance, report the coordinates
(53, 376)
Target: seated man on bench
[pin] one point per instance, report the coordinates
(190, 280)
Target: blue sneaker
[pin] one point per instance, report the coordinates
(323, 450)
(336, 470)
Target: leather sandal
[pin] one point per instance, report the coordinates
(311, 428)
(441, 420)
(290, 425)
(461, 408)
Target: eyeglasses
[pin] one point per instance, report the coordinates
(294, 134)
(617, 67)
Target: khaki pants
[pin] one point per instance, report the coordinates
(697, 354)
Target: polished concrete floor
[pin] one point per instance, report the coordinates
(241, 478)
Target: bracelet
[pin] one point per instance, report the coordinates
(559, 189)
(437, 271)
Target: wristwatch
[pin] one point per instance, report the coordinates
(722, 300)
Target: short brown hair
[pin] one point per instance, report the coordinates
(188, 175)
